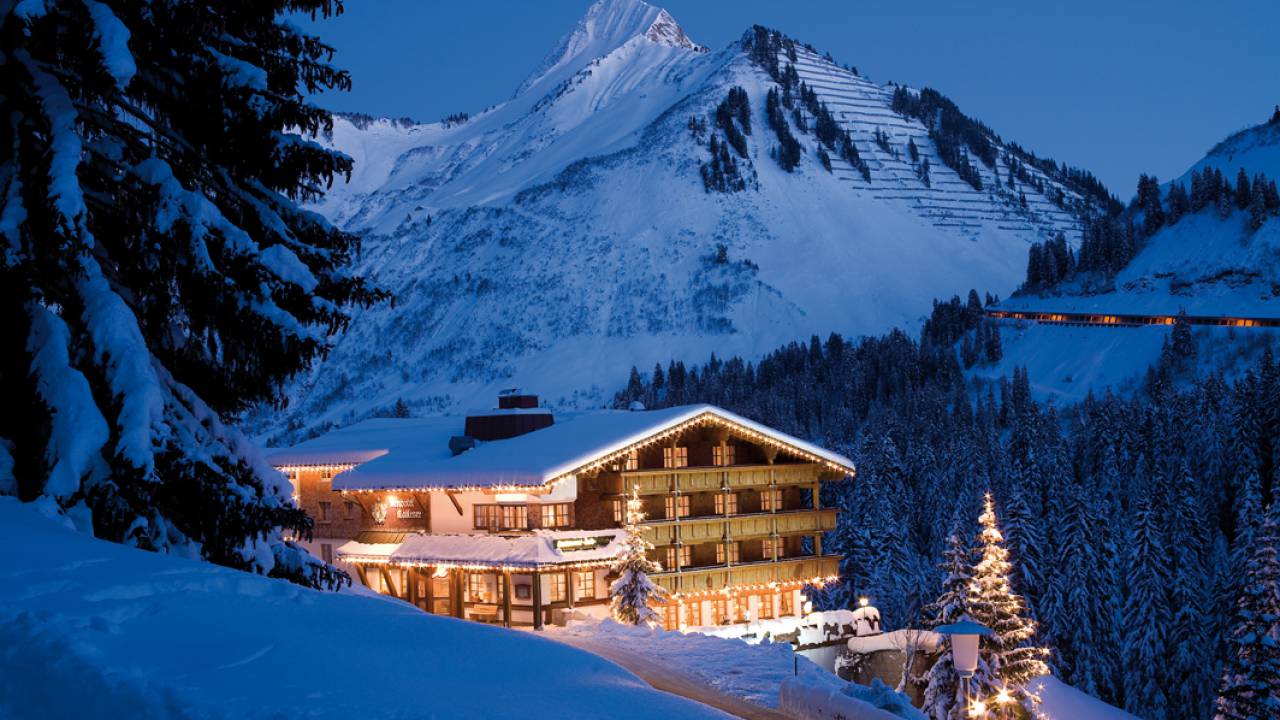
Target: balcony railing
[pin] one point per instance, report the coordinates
(753, 573)
(709, 528)
(660, 481)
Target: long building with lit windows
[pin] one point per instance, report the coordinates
(514, 516)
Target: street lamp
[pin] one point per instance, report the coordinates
(964, 655)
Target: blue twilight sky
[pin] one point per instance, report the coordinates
(1118, 87)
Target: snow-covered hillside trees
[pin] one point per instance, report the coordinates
(156, 276)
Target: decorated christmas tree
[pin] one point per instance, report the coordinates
(1251, 680)
(1009, 651)
(633, 592)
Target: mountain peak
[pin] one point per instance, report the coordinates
(606, 26)
(666, 31)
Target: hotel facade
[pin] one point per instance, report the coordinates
(514, 516)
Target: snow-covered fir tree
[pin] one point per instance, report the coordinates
(1146, 615)
(632, 595)
(943, 693)
(157, 277)
(1250, 687)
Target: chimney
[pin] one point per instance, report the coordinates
(517, 414)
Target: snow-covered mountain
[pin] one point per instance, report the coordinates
(1208, 262)
(622, 208)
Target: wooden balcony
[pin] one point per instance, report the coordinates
(713, 528)
(756, 573)
(710, 479)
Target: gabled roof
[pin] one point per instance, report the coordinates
(576, 443)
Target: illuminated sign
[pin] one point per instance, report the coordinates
(582, 543)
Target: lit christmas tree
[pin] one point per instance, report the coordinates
(1251, 680)
(633, 591)
(1009, 653)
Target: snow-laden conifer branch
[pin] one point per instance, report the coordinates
(160, 277)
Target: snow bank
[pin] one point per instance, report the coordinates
(1060, 701)
(821, 696)
(89, 628)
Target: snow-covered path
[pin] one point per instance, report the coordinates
(667, 678)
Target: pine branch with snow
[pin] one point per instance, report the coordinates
(156, 275)
(633, 593)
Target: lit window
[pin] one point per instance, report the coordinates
(686, 555)
(515, 517)
(633, 460)
(556, 515)
(671, 559)
(486, 517)
(675, 457)
(585, 585)
(477, 589)
(766, 606)
(324, 511)
(326, 474)
(693, 614)
(771, 548)
(671, 617)
(785, 606)
(719, 612)
(726, 503)
(619, 512)
(771, 500)
(723, 455)
(726, 552)
(677, 502)
(558, 587)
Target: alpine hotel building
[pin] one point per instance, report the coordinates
(509, 516)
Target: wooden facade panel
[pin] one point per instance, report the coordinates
(692, 531)
(751, 526)
(748, 477)
(704, 479)
(813, 521)
(661, 534)
(699, 480)
(649, 484)
(781, 571)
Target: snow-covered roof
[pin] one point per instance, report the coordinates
(542, 548)
(542, 456)
(356, 551)
(369, 439)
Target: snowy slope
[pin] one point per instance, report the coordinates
(1205, 263)
(561, 237)
(90, 629)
